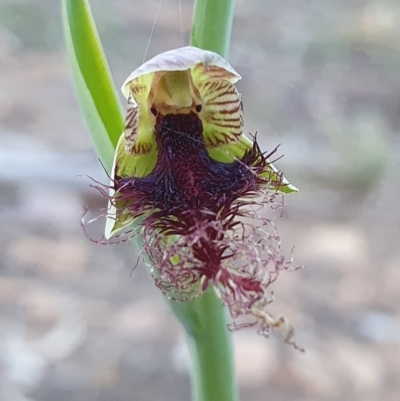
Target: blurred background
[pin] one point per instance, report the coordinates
(321, 78)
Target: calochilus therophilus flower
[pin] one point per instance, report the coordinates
(195, 186)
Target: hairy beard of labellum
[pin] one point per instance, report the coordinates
(201, 222)
(185, 176)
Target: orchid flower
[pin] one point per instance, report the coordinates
(196, 186)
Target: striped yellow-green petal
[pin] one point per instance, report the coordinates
(125, 165)
(139, 128)
(222, 114)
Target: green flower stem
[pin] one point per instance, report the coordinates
(204, 319)
(210, 345)
(212, 25)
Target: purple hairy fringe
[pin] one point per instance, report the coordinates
(216, 236)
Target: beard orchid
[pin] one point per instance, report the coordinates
(194, 187)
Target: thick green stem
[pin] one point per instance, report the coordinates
(204, 319)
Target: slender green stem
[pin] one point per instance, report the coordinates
(204, 319)
(210, 345)
(212, 25)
